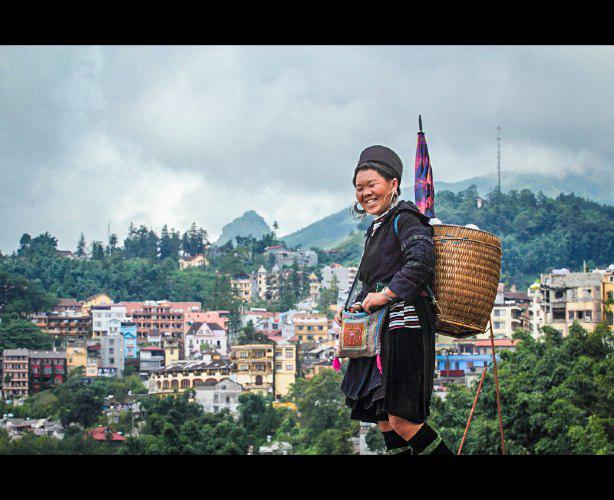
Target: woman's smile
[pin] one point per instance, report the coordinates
(373, 191)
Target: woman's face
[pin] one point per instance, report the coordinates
(374, 192)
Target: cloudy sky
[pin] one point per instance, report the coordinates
(155, 135)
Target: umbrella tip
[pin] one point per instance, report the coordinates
(420, 122)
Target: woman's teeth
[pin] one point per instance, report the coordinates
(371, 201)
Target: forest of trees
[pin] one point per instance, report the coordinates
(537, 233)
(174, 425)
(147, 266)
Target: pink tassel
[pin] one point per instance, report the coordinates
(336, 364)
(378, 361)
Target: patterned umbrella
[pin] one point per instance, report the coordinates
(424, 189)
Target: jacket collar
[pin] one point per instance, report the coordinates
(402, 205)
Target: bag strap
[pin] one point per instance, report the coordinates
(395, 224)
(353, 288)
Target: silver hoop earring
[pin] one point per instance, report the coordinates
(357, 213)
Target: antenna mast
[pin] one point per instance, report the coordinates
(499, 157)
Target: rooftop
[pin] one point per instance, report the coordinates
(181, 366)
(100, 434)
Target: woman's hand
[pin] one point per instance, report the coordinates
(338, 316)
(355, 307)
(373, 301)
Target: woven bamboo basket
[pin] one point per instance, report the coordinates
(467, 270)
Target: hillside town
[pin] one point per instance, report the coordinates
(178, 347)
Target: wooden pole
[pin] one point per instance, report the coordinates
(498, 393)
(494, 361)
(475, 400)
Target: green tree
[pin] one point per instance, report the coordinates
(81, 246)
(555, 392)
(97, 250)
(328, 297)
(323, 425)
(375, 440)
(259, 418)
(20, 297)
(24, 244)
(22, 334)
(112, 244)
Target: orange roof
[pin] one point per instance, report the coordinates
(100, 434)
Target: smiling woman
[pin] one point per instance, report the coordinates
(394, 389)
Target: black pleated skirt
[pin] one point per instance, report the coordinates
(405, 386)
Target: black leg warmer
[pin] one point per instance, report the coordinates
(395, 444)
(427, 442)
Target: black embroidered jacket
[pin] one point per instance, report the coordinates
(405, 262)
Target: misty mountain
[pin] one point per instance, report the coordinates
(249, 224)
(332, 230)
(594, 189)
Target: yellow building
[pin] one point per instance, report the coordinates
(75, 357)
(100, 299)
(184, 375)
(91, 370)
(171, 351)
(574, 296)
(244, 288)
(196, 261)
(255, 369)
(311, 327)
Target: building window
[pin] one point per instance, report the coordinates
(558, 314)
(259, 380)
(289, 367)
(498, 325)
(570, 315)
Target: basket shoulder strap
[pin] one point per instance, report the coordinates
(395, 225)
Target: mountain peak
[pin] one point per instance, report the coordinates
(249, 224)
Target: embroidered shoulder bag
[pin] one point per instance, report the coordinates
(360, 335)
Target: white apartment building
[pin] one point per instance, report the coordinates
(102, 315)
(200, 334)
(216, 396)
(345, 276)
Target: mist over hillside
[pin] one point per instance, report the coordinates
(538, 233)
(332, 230)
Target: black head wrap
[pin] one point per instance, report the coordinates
(380, 158)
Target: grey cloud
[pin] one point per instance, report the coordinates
(90, 135)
